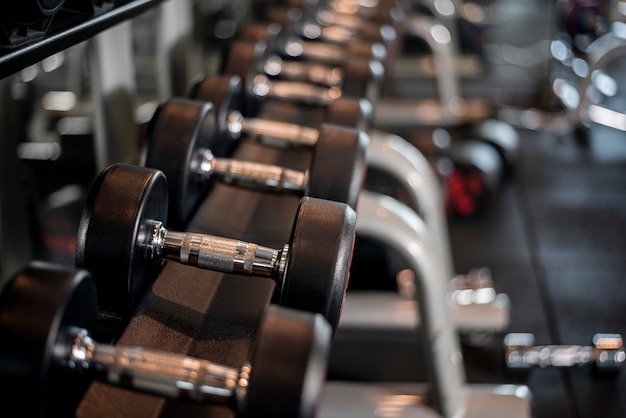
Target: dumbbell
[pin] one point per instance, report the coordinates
(180, 140)
(291, 46)
(48, 358)
(258, 88)
(225, 92)
(606, 354)
(386, 24)
(121, 236)
(377, 11)
(331, 27)
(365, 77)
(276, 63)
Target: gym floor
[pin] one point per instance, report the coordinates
(554, 240)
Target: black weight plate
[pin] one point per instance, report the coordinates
(365, 50)
(242, 57)
(288, 365)
(179, 129)
(368, 32)
(353, 112)
(38, 307)
(320, 254)
(121, 199)
(365, 78)
(261, 31)
(225, 92)
(337, 170)
(245, 59)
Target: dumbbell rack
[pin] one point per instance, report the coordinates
(205, 314)
(202, 313)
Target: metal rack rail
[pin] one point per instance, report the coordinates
(68, 29)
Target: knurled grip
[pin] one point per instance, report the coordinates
(296, 91)
(210, 252)
(156, 372)
(293, 134)
(316, 51)
(220, 254)
(317, 73)
(256, 175)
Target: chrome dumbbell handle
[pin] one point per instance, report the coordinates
(304, 92)
(212, 253)
(156, 372)
(329, 16)
(307, 71)
(334, 34)
(326, 53)
(315, 51)
(607, 352)
(249, 174)
(291, 133)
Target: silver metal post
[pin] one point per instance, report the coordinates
(391, 222)
(394, 155)
(441, 43)
(451, 105)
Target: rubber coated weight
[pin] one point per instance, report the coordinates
(243, 57)
(37, 305)
(352, 113)
(319, 259)
(286, 392)
(110, 226)
(225, 93)
(337, 170)
(47, 312)
(134, 227)
(178, 130)
(320, 255)
(180, 137)
(257, 88)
